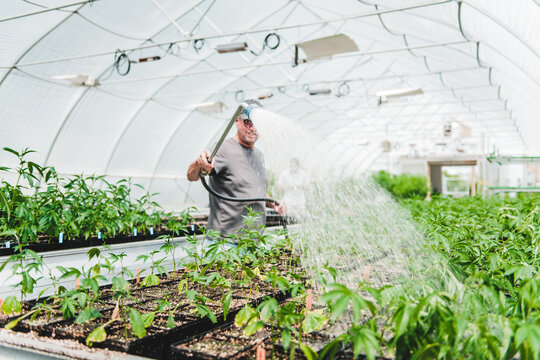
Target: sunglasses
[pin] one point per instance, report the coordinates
(247, 122)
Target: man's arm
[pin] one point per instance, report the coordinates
(200, 164)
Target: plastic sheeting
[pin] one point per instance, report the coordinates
(477, 62)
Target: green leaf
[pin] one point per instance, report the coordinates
(226, 303)
(309, 353)
(181, 285)
(314, 320)
(427, 352)
(119, 284)
(253, 327)
(68, 308)
(10, 232)
(148, 318)
(13, 323)
(94, 252)
(11, 305)
(150, 280)
(87, 315)
(11, 151)
(250, 274)
(4, 201)
(69, 273)
(268, 309)
(339, 307)
(170, 322)
(286, 338)
(359, 304)
(137, 323)
(244, 316)
(27, 283)
(91, 284)
(521, 335)
(97, 335)
(401, 317)
(205, 311)
(365, 339)
(283, 284)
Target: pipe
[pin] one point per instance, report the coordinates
(224, 135)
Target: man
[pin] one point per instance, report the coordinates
(237, 171)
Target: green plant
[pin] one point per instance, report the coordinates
(402, 186)
(156, 267)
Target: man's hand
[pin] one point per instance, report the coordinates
(202, 162)
(281, 209)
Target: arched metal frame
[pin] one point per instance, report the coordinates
(76, 99)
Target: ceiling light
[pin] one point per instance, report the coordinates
(149, 58)
(265, 96)
(79, 79)
(324, 47)
(400, 92)
(227, 48)
(320, 92)
(208, 107)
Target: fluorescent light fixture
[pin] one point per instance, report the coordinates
(208, 107)
(265, 96)
(79, 79)
(400, 93)
(227, 48)
(324, 47)
(320, 92)
(149, 58)
(386, 146)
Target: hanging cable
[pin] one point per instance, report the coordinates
(122, 64)
(343, 89)
(276, 39)
(198, 44)
(271, 41)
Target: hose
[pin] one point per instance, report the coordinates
(228, 198)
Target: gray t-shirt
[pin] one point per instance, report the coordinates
(239, 173)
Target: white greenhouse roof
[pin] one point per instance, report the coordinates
(477, 63)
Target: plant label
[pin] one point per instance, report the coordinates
(99, 235)
(8, 244)
(366, 273)
(151, 230)
(135, 232)
(261, 353)
(61, 238)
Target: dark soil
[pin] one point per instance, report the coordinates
(164, 300)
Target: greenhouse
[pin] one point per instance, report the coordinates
(287, 179)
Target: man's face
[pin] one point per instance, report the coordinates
(247, 134)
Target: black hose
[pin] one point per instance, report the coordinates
(228, 198)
